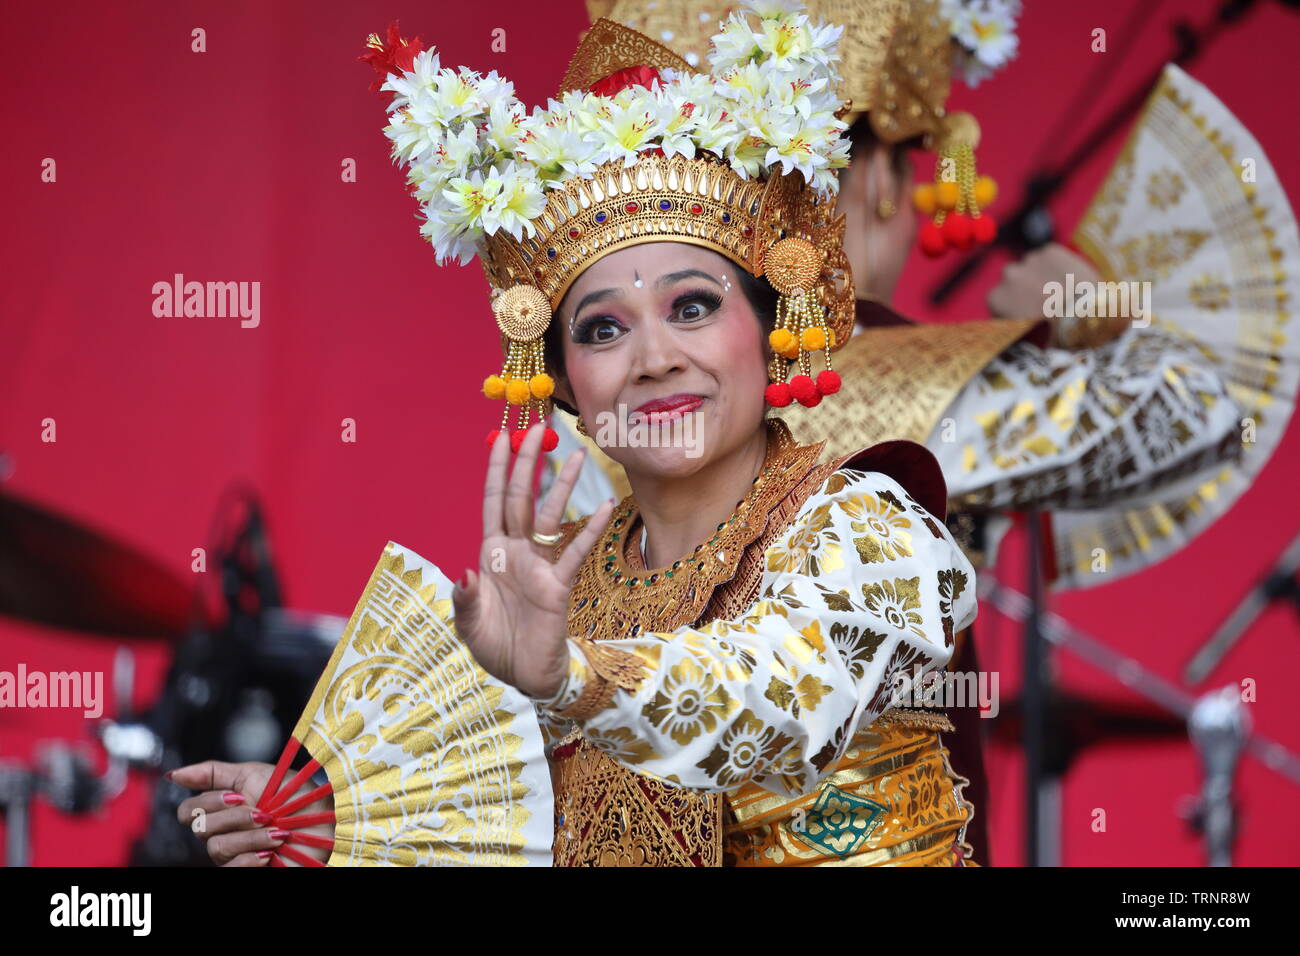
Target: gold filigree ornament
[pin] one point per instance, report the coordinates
(793, 267)
(638, 146)
(522, 312)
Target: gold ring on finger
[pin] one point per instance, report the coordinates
(546, 540)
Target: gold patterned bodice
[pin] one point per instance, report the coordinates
(609, 815)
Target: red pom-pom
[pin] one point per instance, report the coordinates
(802, 388)
(932, 241)
(828, 382)
(549, 439)
(985, 229)
(811, 401)
(517, 438)
(957, 230)
(491, 437)
(777, 394)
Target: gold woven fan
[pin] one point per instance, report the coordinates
(1193, 206)
(431, 761)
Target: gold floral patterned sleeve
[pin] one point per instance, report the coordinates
(864, 587)
(1086, 429)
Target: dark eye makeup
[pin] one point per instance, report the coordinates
(586, 329)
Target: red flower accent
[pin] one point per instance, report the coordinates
(622, 79)
(392, 55)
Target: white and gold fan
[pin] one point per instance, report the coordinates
(1193, 206)
(431, 761)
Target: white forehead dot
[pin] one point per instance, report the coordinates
(693, 59)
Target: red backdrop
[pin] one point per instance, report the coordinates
(226, 166)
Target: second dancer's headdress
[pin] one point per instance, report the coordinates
(638, 147)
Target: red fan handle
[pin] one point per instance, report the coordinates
(272, 801)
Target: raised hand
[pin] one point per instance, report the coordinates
(512, 613)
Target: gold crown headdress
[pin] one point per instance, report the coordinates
(637, 147)
(898, 61)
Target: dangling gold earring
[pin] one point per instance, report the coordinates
(582, 427)
(885, 208)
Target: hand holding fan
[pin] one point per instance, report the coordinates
(431, 761)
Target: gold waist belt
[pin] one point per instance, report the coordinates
(893, 800)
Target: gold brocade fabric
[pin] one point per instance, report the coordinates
(606, 814)
(892, 801)
(897, 381)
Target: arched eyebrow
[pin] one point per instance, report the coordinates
(668, 278)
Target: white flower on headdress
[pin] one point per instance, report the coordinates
(716, 129)
(455, 153)
(452, 236)
(555, 148)
(480, 164)
(633, 124)
(986, 30)
(734, 43)
(506, 198)
(455, 96)
(681, 106)
(424, 68)
(505, 125)
(515, 203)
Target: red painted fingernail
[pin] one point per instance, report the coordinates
(260, 818)
(233, 799)
(279, 834)
(263, 854)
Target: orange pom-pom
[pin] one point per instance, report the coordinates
(494, 387)
(828, 381)
(517, 391)
(781, 340)
(812, 339)
(986, 190)
(541, 385)
(923, 199)
(946, 195)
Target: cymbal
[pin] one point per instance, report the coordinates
(59, 573)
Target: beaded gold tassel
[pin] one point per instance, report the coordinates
(957, 199)
(522, 314)
(793, 267)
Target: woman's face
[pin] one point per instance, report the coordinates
(661, 347)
